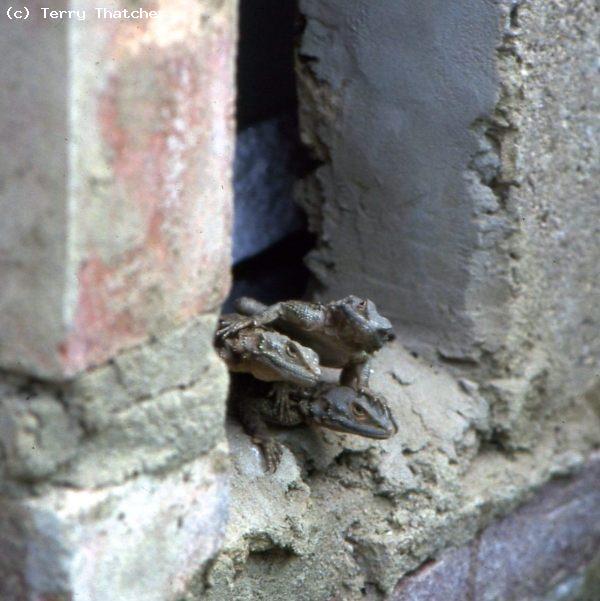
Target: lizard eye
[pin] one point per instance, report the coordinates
(358, 411)
(291, 350)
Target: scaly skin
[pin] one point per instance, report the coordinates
(267, 355)
(344, 333)
(340, 408)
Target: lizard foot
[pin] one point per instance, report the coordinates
(272, 452)
(233, 327)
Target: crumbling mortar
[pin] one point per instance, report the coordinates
(495, 168)
(220, 464)
(29, 388)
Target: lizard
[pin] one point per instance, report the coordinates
(267, 355)
(344, 333)
(340, 408)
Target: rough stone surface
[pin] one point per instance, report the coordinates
(173, 361)
(37, 435)
(446, 578)
(115, 190)
(139, 540)
(344, 518)
(549, 83)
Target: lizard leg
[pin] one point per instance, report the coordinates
(357, 372)
(256, 428)
(283, 404)
(269, 315)
(301, 314)
(233, 325)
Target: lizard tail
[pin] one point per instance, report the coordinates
(249, 306)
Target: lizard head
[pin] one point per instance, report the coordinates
(345, 409)
(279, 358)
(362, 323)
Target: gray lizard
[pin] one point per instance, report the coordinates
(267, 355)
(344, 333)
(340, 408)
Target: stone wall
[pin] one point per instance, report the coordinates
(116, 202)
(456, 145)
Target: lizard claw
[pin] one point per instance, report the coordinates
(232, 327)
(272, 452)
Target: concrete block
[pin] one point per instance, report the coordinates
(116, 195)
(139, 540)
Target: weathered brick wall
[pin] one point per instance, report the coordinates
(455, 189)
(119, 142)
(540, 551)
(116, 203)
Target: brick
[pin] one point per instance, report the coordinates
(548, 539)
(537, 549)
(445, 579)
(140, 540)
(116, 195)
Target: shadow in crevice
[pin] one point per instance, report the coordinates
(266, 81)
(275, 274)
(270, 237)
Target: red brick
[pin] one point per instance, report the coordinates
(140, 237)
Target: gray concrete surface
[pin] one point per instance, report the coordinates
(403, 84)
(460, 148)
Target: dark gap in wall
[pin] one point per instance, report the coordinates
(270, 235)
(275, 274)
(266, 82)
(514, 16)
